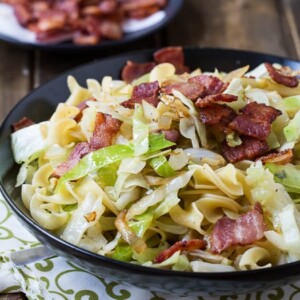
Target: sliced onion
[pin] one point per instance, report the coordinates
(128, 235)
(201, 156)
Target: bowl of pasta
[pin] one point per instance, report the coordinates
(174, 170)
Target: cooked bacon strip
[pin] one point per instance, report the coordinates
(22, 123)
(249, 149)
(144, 91)
(203, 102)
(22, 13)
(255, 120)
(171, 135)
(134, 70)
(212, 84)
(281, 77)
(78, 152)
(245, 230)
(107, 6)
(251, 127)
(105, 129)
(141, 8)
(261, 112)
(82, 105)
(187, 245)
(214, 114)
(190, 90)
(172, 55)
(111, 29)
(280, 158)
(217, 116)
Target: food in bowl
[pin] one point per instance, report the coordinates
(171, 168)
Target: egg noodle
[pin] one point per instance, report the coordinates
(137, 197)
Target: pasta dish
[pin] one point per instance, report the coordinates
(170, 167)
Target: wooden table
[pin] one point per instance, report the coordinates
(268, 26)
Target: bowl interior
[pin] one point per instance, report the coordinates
(40, 104)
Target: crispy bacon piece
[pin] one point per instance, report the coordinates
(280, 158)
(22, 14)
(144, 91)
(245, 230)
(218, 116)
(82, 105)
(111, 30)
(78, 152)
(134, 70)
(281, 77)
(187, 245)
(261, 112)
(49, 19)
(249, 149)
(22, 123)
(105, 129)
(255, 120)
(172, 55)
(142, 8)
(212, 84)
(191, 90)
(203, 102)
(251, 127)
(171, 135)
(108, 6)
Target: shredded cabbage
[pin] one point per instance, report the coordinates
(165, 181)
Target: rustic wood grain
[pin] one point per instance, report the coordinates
(14, 76)
(290, 11)
(241, 24)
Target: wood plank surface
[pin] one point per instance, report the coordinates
(15, 76)
(240, 24)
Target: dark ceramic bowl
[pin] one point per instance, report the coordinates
(40, 104)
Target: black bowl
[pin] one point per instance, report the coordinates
(40, 104)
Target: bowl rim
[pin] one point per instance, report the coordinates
(259, 274)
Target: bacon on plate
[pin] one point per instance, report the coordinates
(245, 230)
